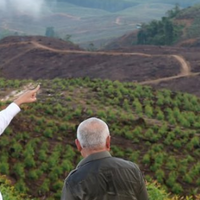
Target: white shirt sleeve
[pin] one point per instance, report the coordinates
(7, 115)
(1, 198)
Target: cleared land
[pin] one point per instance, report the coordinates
(40, 57)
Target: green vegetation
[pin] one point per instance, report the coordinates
(163, 32)
(109, 18)
(155, 191)
(9, 192)
(193, 14)
(178, 24)
(157, 129)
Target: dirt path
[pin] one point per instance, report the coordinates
(185, 66)
(13, 43)
(185, 71)
(38, 45)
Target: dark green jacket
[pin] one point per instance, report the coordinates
(103, 177)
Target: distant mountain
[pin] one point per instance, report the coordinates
(184, 25)
(108, 5)
(86, 22)
(114, 5)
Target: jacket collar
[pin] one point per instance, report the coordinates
(94, 156)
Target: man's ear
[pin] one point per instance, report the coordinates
(108, 139)
(78, 145)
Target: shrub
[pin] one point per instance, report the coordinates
(42, 155)
(171, 181)
(4, 168)
(177, 188)
(146, 159)
(45, 187)
(156, 192)
(19, 170)
(33, 175)
(134, 156)
(67, 166)
(29, 161)
(21, 186)
(57, 186)
(48, 133)
(160, 175)
(9, 192)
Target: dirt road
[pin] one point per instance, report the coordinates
(38, 45)
(185, 66)
(185, 69)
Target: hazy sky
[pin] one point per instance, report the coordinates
(32, 7)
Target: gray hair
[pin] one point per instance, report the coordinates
(92, 133)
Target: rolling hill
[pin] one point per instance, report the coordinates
(48, 58)
(157, 129)
(85, 24)
(187, 21)
(127, 86)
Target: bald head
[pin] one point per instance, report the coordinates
(92, 134)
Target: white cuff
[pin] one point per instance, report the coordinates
(7, 115)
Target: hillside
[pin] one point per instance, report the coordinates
(190, 18)
(41, 57)
(136, 89)
(95, 22)
(185, 26)
(159, 130)
(113, 5)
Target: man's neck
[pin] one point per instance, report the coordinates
(86, 152)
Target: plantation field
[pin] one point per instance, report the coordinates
(85, 25)
(157, 129)
(149, 10)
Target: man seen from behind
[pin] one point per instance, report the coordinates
(99, 176)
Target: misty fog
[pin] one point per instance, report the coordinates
(31, 7)
(84, 22)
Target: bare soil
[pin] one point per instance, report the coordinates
(176, 68)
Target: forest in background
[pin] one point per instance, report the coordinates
(87, 22)
(161, 32)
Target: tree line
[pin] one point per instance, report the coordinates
(161, 32)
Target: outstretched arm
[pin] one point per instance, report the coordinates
(7, 114)
(27, 97)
